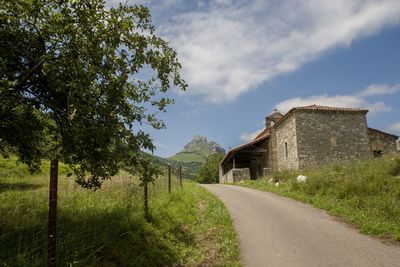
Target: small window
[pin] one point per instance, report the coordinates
(286, 150)
(377, 153)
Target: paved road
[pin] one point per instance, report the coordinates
(278, 231)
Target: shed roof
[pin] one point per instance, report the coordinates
(382, 132)
(262, 136)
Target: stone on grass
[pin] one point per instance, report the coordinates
(301, 179)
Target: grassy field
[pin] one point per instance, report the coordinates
(365, 194)
(189, 157)
(189, 227)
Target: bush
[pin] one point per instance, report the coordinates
(208, 172)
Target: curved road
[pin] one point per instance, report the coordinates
(278, 231)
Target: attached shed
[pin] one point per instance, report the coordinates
(381, 142)
(246, 161)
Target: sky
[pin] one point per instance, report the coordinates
(243, 58)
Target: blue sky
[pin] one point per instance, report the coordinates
(241, 59)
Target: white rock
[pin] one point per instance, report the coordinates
(270, 180)
(277, 184)
(301, 178)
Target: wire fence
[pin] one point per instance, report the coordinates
(87, 221)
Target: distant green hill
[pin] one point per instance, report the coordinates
(193, 155)
(197, 150)
(189, 169)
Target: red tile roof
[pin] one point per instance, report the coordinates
(321, 108)
(327, 108)
(259, 138)
(262, 134)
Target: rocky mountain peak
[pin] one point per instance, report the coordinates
(198, 149)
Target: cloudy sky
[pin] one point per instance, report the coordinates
(243, 58)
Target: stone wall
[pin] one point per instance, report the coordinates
(235, 175)
(326, 137)
(382, 143)
(272, 162)
(286, 144)
(262, 161)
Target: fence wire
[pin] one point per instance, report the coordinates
(87, 221)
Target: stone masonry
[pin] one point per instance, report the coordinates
(286, 145)
(381, 142)
(235, 175)
(326, 137)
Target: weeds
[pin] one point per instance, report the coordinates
(365, 194)
(107, 227)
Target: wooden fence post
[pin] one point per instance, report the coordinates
(169, 178)
(180, 175)
(146, 201)
(52, 220)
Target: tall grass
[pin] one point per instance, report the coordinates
(365, 194)
(107, 227)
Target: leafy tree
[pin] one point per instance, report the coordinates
(78, 79)
(209, 171)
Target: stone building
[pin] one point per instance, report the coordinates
(306, 137)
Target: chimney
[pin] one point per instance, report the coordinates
(268, 121)
(276, 116)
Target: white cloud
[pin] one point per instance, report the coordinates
(380, 89)
(352, 101)
(395, 127)
(161, 145)
(249, 136)
(190, 113)
(229, 47)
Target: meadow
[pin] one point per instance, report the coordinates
(364, 194)
(189, 227)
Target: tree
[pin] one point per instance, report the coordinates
(77, 82)
(148, 172)
(209, 171)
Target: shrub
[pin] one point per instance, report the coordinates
(208, 172)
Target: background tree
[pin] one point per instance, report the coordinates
(209, 171)
(77, 80)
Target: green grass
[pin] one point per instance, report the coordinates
(189, 227)
(364, 194)
(189, 157)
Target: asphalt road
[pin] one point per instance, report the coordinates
(278, 231)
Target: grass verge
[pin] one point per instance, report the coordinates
(189, 227)
(364, 194)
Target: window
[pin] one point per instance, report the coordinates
(286, 150)
(377, 153)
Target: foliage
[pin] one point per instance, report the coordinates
(209, 171)
(187, 157)
(366, 194)
(189, 169)
(189, 227)
(77, 80)
(147, 170)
